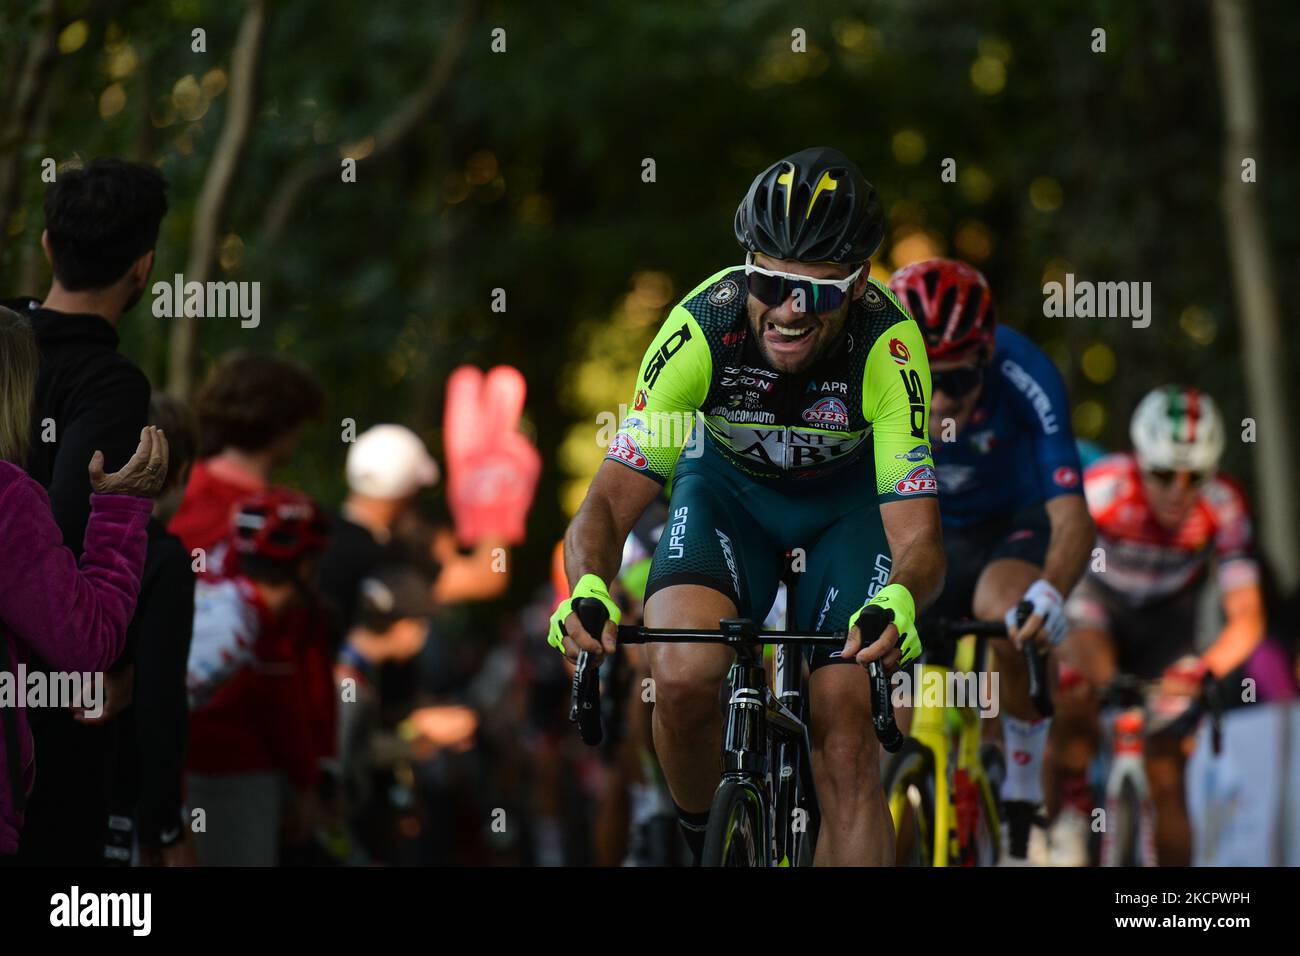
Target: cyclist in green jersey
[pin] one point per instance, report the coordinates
(800, 391)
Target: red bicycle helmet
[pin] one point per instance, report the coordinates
(951, 303)
(279, 524)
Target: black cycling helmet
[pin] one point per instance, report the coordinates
(814, 206)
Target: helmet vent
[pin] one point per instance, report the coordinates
(931, 282)
(970, 312)
(946, 305)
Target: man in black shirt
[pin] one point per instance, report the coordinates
(387, 467)
(101, 226)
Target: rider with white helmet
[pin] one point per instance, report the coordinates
(1177, 429)
(1164, 515)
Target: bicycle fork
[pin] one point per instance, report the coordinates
(744, 753)
(1129, 767)
(752, 721)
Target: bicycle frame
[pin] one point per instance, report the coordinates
(762, 727)
(934, 728)
(760, 731)
(1126, 737)
(937, 729)
(1125, 705)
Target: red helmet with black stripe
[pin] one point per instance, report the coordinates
(951, 303)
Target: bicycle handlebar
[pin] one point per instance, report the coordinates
(1036, 655)
(584, 709)
(1124, 690)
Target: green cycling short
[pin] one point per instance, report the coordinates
(730, 532)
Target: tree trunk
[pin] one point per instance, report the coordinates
(1263, 350)
(215, 194)
(31, 88)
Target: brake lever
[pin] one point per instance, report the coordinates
(584, 706)
(1036, 663)
(882, 709)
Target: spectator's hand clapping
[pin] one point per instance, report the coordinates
(142, 476)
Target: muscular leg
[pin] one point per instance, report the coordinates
(1073, 740)
(1164, 767)
(1091, 652)
(610, 829)
(1000, 587)
(856, 829)
(687, 678)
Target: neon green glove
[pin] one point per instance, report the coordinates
(588, 586)
(896, 598)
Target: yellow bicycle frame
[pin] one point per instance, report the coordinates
(935, 728)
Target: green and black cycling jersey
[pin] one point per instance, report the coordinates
(869, 395)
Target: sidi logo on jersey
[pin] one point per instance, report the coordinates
(666, 351)
(898, 351)
(625, 449)
(916, 399)
(828, 411)
(919, 481)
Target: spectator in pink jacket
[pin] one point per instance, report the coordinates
(73, 617)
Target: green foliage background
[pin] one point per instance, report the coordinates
(527, 177)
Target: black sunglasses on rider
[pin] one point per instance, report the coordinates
(772, 288)
(957, 382)
(1166, 476)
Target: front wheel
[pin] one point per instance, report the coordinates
(737, 832)
(1124, 814)
(908, 778)
(988, 834)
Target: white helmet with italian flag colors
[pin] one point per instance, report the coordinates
(1177, 429)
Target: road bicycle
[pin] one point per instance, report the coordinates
(764, 812)
(1128, 837)
(942, 784)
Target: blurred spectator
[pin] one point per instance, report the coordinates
(251, 412)
(73, 618)
(263, 713)
(402, 725)
(392, 626)
(101, 226)
(147, 781)
(387, 467)
(1274, 665)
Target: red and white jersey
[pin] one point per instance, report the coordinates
(1145, 561)
(228, 618)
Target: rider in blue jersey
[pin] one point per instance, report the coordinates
(1015, 523)
(1017, 447)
